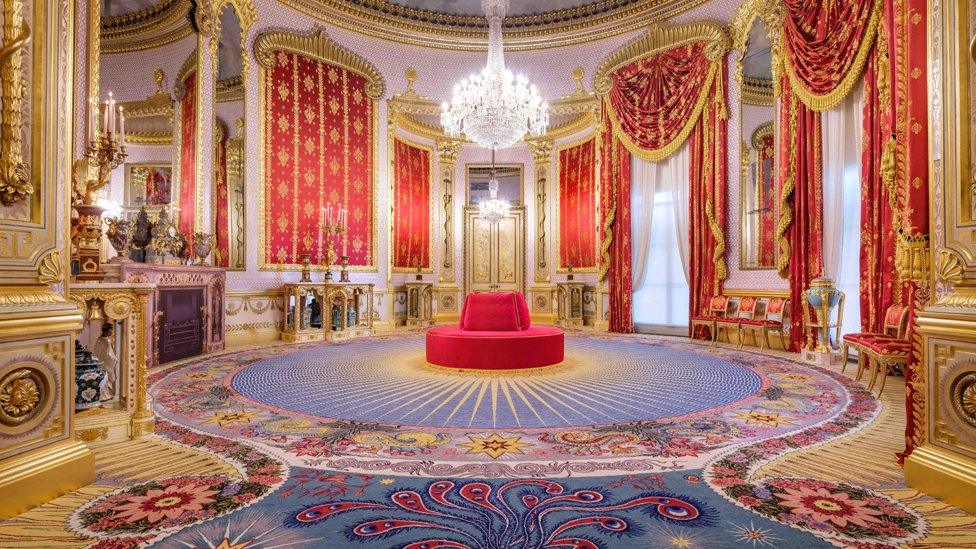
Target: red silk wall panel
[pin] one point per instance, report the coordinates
(188, 157)
(411, 206)
(577, 206)
(318, 150)
(221, 219)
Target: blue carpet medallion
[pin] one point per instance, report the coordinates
(631, 443)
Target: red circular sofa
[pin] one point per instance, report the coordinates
(495, 334)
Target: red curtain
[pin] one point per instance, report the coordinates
(577, 206)
(615, 231)
(801, 174)
(707, 201)
(411, 206)
(221, 218)
(318, 148)
(655, 101)
(653, 105)
(188, 157)
(907, 52)
(827, 44)
(765, 155)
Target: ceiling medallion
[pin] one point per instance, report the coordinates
(495, 109)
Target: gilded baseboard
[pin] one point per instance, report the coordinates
(252, 336)
(943, 474)
(40, 476)
(447, 318)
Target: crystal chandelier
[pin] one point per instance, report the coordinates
(495, 109)
(494, 209)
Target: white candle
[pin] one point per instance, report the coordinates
(92, 117)
(111, 114)
(121, 126)
(105, 118)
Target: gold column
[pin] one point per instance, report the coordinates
(542, 157)
(446, 292)
(944, 462)
(542, 294)
(39, 457)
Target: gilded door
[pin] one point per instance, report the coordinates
(494, 252)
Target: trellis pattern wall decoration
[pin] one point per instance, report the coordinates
(188, 156)
(411, 206)
(318, 147)
(577, 207)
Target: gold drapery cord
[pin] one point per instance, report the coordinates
(611, 215)
(786, 193)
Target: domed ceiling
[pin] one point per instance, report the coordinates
(473, 7)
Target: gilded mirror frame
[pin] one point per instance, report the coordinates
(229, 90)
(755, 92)
(467, 180)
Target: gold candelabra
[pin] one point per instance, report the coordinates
(105, 152)
(335, 223)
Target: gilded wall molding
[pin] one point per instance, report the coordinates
(542, 158)
(318, 45)
(661, 39)
(447, 153)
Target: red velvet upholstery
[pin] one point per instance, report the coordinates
(889, 346)
(495, 333)
(495, 312)
(531, 348)
(491, 312)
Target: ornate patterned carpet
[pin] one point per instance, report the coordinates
(632, 442)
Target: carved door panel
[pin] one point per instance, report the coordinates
(494, 253)
(480, 254)
(507, 264)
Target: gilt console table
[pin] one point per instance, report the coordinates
(327, 311)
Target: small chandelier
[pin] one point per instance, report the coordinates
(494, 108)
(494, 209)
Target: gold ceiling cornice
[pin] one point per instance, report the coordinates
(163, 23)
(390, 21)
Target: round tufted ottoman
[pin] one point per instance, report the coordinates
(531, 348)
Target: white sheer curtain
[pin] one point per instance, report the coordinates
(842, 132)
(659, 239)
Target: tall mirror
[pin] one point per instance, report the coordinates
(759, 191)
(229, 161)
